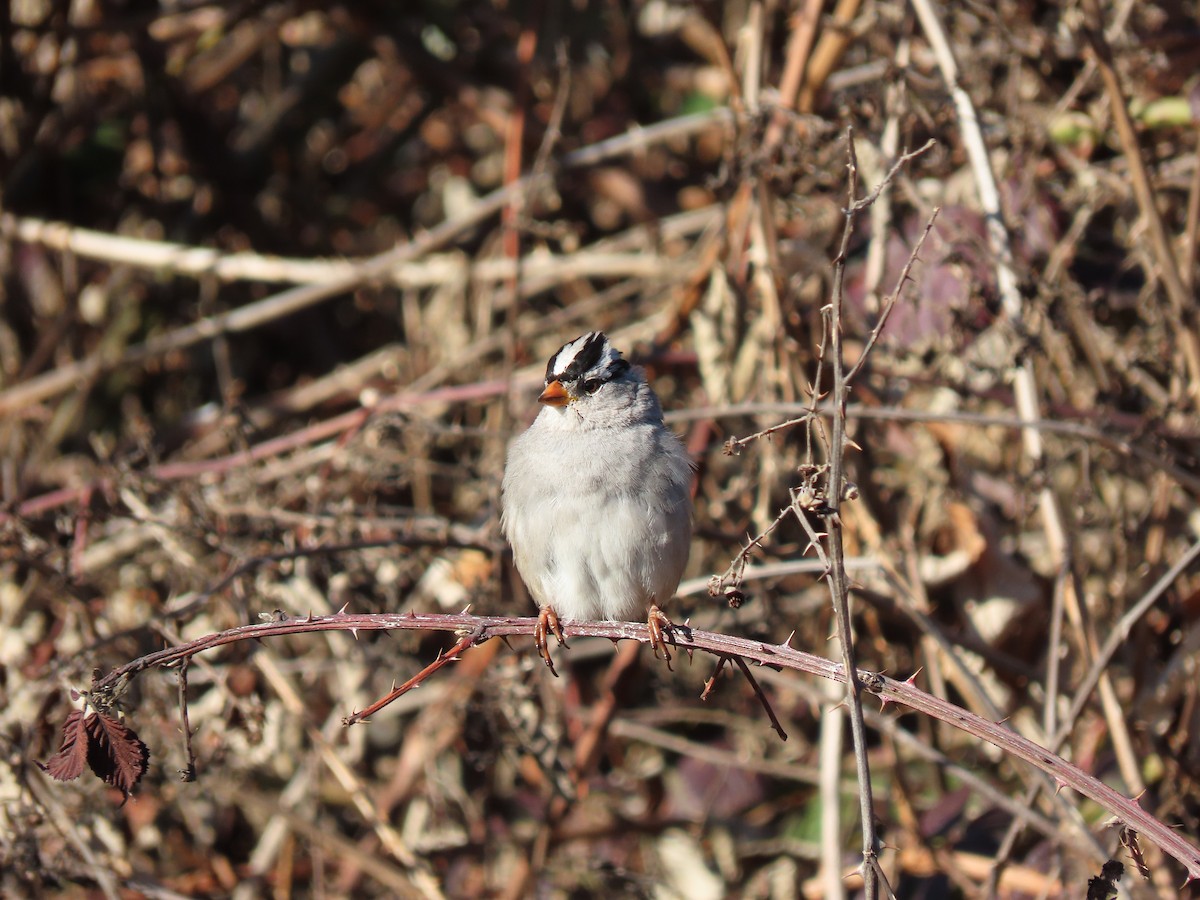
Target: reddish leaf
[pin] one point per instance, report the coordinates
(115, 753)
(67, 763)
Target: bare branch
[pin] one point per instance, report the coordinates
(889, 690)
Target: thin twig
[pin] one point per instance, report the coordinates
(1116, 639)
(762, 698)
(890, 302)
(804, 30)
(889, 146)
(730, 759)
(188, 772)
(443, 659)
(711, 684)
(839, 584)
(719, 583)
(903, 160)
(1108, 437)
(734, 445)
(835, 38)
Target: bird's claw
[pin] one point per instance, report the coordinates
(662, 632)
(548, 624)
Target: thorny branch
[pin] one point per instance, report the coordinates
(839, 583)
(476, 630)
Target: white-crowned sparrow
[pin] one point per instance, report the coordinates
(595, 499)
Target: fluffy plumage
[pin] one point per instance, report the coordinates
(595, 496)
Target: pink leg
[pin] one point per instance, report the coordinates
(547, 624)
(661, 633)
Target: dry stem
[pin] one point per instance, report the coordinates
(889, 690)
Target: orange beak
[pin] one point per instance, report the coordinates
(554, 395)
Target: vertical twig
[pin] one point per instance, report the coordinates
(828, 545)
(188, 772)
(835, 39)
(1054, 657)
(881, 212)
(839, 585)
(833, 723)
(804, 29)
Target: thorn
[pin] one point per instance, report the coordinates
(884, 700)
(466, 609)
(412, 613)
(787, 642)
(911, 680)
(1059, 784)
(354, 631)
(311, 615)
(342, 611)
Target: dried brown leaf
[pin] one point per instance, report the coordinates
(115, 753)
(1104, 885)
(67, 763)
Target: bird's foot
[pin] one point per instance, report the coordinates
(548, 624)
(662, 633)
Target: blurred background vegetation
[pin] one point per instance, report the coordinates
(384, 218)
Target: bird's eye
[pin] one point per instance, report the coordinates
(592, 385)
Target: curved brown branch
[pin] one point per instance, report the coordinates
(889, 690)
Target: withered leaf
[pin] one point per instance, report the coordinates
(115, 753)
(1104, 885)
(67, 763)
